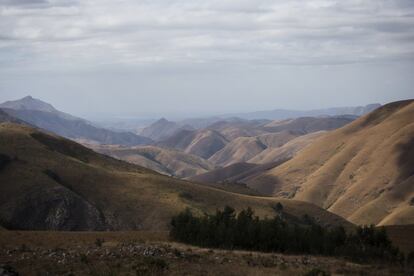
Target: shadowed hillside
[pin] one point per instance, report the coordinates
(363, 171)
(203, 142)
(165, 161)
(48, 182)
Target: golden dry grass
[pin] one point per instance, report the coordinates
(128, 196)
(362, 171)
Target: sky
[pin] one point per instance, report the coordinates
(197, 57)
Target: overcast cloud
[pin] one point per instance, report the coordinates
(154, 56)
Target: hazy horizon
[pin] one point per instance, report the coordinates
(201, 58)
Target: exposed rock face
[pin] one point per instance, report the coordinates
(56, 208)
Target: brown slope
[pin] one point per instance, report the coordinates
(165, 161)
(245, 148)
(223, 174)
(362, 171)
(162, 129)
(236, 174)
(48, 182)
(203, 142)
(309, 124)
(402, 236)
(286, 151)
(235, 128)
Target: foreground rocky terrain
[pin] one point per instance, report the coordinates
(146, 253)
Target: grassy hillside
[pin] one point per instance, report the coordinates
(162, 129)
(363, 171)
(286, 151)
(48, 182)
(203, 142)
(163, 160)
(309, 124)
(237, 173)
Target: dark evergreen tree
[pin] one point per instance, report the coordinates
(226, 229)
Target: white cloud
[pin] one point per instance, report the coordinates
(51, 34)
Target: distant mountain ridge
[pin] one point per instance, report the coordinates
(280, 114)
(45, 116)
(29, 103)
(162, 129)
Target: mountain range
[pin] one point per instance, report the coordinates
(45, 116)
(51, 183)
(280, 114)
(363, 171)
(359, 168)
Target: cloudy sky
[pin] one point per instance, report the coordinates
(157, 57)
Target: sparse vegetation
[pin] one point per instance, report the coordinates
(53, 175)
(83, 258)
(149, 253)
(150, 266)
(4, 161)
(99, 242)
(62, 146)
(226, 229)
(185, 195)
(317, 272)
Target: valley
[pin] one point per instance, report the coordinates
(313, 167)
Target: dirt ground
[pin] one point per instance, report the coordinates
(150, 253)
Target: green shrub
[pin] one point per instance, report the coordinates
(99, 242)
(150, 266)
(316, 272)
(226, 229)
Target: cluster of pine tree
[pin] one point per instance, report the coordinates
(226, 229)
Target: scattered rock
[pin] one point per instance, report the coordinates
(7, 270)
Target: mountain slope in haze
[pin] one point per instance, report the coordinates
(162, 129)
(245, 148)
(262, 162)
(233, 128)
(48, 118)
(203, 142)
(363, 171)
(5, 117)
(165, 161)
(29, 103)
(280, 114)
(309, 124)
(286, 151)
(48, 182)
